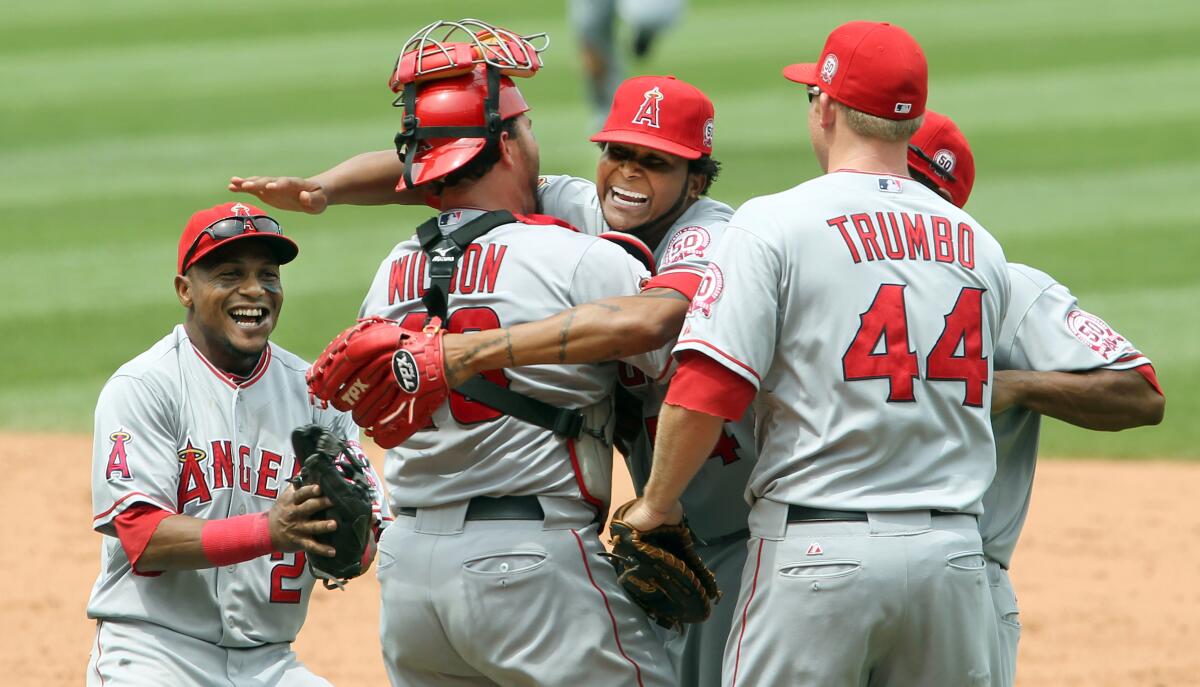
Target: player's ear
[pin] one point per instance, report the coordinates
(827, 110)
(183, 290)
(695, 184)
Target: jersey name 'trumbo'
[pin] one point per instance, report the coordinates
(865, 341)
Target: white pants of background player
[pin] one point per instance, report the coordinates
(901, 599)
(696, 652)
(510, 602)
(1008, 626)
(131, 653)
(595, 24)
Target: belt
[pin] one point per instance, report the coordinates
(806, 514)
(496, 508)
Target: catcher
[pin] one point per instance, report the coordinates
(499, 485)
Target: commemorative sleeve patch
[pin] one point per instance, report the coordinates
(710, 290)
(689, 242)
(1095, 333)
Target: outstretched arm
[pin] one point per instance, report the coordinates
(1108, 400)
(365, 179)
(607, 329)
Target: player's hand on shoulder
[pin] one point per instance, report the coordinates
(294, 521)
(296, 194)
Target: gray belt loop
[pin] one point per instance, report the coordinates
(445, 519)
(768, 519)
(899, 522)
(565, 513)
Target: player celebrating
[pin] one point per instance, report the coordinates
(862, 310)
(203, 573)
(651, 181)
(500, 501)
(1052, 358)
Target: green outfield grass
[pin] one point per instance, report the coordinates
(121, 117)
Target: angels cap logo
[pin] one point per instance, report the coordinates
(708, 133)
(404, 367)
(711, 287)
(945, 159)
(240, 210)
(647, 112)
(829, 68)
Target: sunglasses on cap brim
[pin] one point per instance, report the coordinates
(229, 227)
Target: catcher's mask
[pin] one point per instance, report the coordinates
(456, 92)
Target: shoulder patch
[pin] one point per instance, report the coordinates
(710, 289)
(118, 459)
(689, 242)
(1095, 333)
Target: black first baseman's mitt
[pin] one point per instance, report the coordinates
(661, 571)
(328, 462)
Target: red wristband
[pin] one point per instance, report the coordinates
(236, 540)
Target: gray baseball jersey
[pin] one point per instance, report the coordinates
(174, 432)
(714, 500)
(864, 308)
(867, 322)
(1044, 330)
(466, 601)
(515, 273)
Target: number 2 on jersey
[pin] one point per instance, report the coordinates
(887, 319)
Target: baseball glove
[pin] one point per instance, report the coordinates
(661, 571)
(390, 378)
(342, 476)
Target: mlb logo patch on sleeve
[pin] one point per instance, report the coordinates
(889, 185)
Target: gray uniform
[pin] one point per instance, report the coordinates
(714, 501)
(174, 432)
(510, 602)
(1044, 330)
(864, 308)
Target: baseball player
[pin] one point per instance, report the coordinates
(203, 575)
(1052, 358)
(859, 312)
(658, 130)
(595, 23)
(495, 550)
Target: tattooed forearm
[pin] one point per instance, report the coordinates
(563, 335)
(512, 361)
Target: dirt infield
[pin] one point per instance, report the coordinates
(1108, 573)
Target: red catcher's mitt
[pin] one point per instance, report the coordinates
(390, 378)
(662, 572)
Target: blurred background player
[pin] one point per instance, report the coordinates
(595, 23)
(203, 575)
(652, 178)
(1052, 358)
(495, 552)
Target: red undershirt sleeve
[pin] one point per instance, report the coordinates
(706, 386)
(1147, 371)
(685, 283)
(135, 526)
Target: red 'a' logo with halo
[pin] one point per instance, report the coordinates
(647, 112)
(118, 461)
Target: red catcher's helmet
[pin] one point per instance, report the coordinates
(457, 95)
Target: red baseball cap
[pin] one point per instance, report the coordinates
(871, 67)
(663, 113)
(195, 243)
(940, 152)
